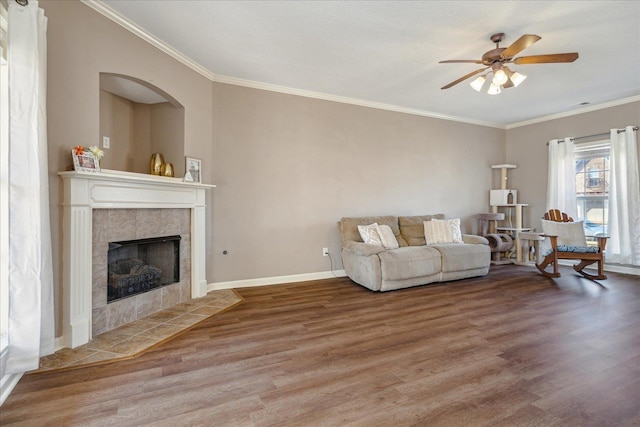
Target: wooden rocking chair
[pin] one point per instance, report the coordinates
(568, 242)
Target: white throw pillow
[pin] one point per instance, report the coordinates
(456, 233)
(442, 231)
(369, 234)
(437, 231)
(389, 241)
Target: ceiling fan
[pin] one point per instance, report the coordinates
(496, 60)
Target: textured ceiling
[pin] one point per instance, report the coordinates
(387, 52)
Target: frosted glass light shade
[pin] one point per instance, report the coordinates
(494, 89)
(517, 78)
(499, 77)
(477, 83)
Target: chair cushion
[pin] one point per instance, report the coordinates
(569, 233)
(580, 249)
(575, 249)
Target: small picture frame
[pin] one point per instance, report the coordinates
(192, 170)
(85, 162)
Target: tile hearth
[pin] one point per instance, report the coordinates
(135, 337)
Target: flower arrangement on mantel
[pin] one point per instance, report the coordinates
(86, 159)
(97, 153)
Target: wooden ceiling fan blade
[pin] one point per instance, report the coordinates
(466, 61)
(547, 59)
(463, 78)
(519, 45)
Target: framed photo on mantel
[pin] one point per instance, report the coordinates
(85, 161)
(192, 170)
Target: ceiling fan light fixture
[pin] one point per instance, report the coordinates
(496, 60)
(494, 89)
(517, 78)
(499, 77)
(478, 83)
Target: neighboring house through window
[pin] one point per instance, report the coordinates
(592, 187)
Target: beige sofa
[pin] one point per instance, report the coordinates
(414, 262)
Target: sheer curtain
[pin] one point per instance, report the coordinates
(31, 319)
(624, 199)
(561, 182)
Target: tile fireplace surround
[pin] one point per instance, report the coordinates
(88, 196)
(110, 225)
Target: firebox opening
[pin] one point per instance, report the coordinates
(138, 266)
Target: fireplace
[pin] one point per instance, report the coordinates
(141, 265)
(115, 206)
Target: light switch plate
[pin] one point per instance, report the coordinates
(106, 142)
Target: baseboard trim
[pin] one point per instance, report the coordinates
(275, 280)
(7, 384)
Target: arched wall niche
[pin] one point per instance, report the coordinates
(140, 119)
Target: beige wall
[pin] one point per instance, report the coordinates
(141, 140)
(527, 148)
(288, 168)
(117, 119)
(81, 44)
(167, 129)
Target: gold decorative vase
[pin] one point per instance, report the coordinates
(156, 163)
(166, 169)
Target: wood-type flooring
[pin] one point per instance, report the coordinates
(512, 348)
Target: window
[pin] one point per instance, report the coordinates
(594, 179)
(4, 182)
(592, 187)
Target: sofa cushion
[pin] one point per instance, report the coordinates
(409, 262)
(463, 256)
(412, 228)
(349, 227)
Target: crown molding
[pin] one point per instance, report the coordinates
(575, 112)
(347, 100)
(174, 53)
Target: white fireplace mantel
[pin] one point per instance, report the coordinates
(85, 191)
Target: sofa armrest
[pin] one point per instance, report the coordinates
(362, 249)
(471, 238)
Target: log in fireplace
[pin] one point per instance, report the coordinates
(138, 266)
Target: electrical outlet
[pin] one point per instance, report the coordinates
(325, 251)
(106, 142)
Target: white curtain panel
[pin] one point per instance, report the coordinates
(31, 319)
(624, 199)
(561, 183)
